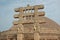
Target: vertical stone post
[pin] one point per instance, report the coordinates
(20, 35)
(21, 14)
(36, 34)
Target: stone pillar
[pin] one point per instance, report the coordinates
(20, 36)
(21, 14)
(36, 33)
(35, 10)
(36, 36)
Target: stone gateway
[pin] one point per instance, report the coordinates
(32, 25)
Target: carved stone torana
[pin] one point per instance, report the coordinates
(32, 25)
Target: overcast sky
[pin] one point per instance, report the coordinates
(52, 9)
